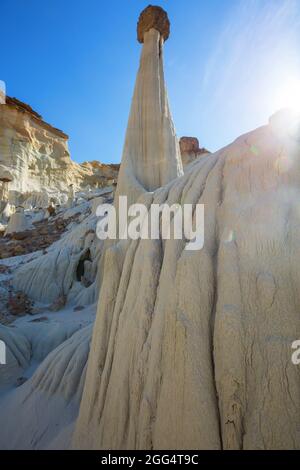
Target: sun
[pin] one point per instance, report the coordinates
(288, 95)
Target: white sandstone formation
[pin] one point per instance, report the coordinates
(200, 355)
(18, 222)
(36, 199)
(17, 355)
(37, 155)
(71, 197)
(190, 349)
(37, 215)
(47, 403)
(33, 151)
(7, 211)
(69, 267)
(151, 155)
(4, 191)
(5, 179)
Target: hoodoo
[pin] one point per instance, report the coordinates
(190, 349)
(151, 155)
(18, 222)
(193, 349)
(71, 196)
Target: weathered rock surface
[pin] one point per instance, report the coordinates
(68, 268)
(37, 155)
(46, 399)
(151, 154)
(19, 304)
(208, 364)
(39, 237)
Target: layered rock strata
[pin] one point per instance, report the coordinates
(37, 155)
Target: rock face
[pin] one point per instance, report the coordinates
(37, 155)
(190, 150)
(97, 174)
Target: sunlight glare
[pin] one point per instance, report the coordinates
(288, 95)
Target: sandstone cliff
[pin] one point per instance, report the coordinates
(37, 154)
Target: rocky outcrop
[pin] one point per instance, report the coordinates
(96, 174)
(190, 150)
(37, 155)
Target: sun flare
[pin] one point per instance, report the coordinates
(288, 95)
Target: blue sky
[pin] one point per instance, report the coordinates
(227, 63)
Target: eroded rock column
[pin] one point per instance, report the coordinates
(151, 155)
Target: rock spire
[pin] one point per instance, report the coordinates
(151, 155)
